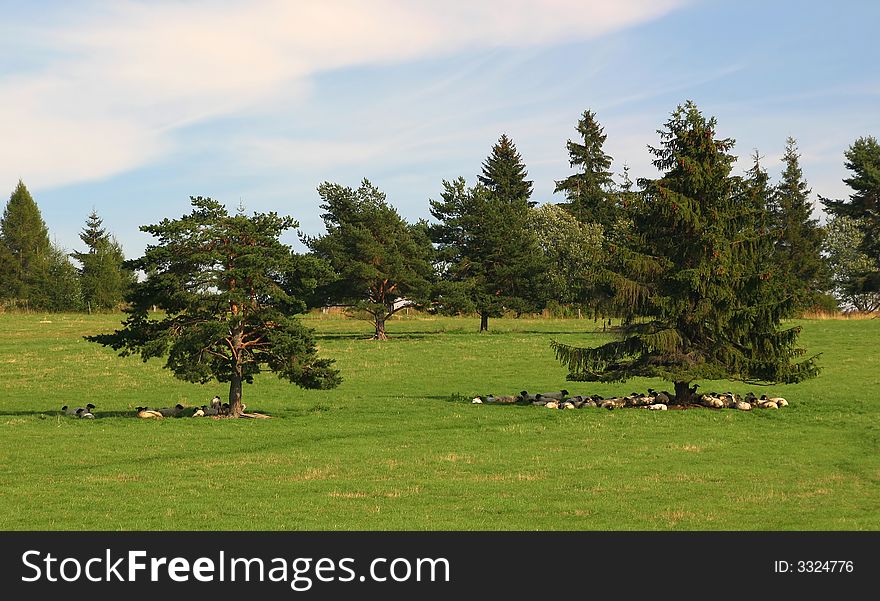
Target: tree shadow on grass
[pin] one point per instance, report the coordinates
(368, 338)
(103, 414)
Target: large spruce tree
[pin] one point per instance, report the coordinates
(103, 278)
(863, 205)
(382, 263)
(228, 290)
(589, 191)
(798, 235)
(698, 295)
(26, 238)
(488, 258)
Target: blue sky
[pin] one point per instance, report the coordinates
(131, 107)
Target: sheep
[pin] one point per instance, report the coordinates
(216, 402)
(84, 413)
(525, 396)
(781, 402)
(568, 405)
(69, 411)
(556, 396)
(552, 405)
(171, 411)
(199, 412)
(504, 399)
(145, 413)
(476, 401)
(657, 407)
(743, 406)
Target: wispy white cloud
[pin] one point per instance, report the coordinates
(117, 80)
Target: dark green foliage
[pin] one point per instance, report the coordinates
(59, 288)
(697, 289)
(224, 283)
(381, 263)
(799, 236)
(487, 259)
(863, 205)
(104, 280)
(589, 190)
(504, 174)
(25, 237)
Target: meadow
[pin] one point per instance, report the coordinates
(399, 446)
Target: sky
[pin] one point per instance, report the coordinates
(130, 108)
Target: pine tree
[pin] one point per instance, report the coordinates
(696, 299)
(504, 174)
(492, 263)
(588, 192)
(228, 291)
(382, 263)
(104, 280)
(863, 205)
(488, 260)
(799, 236)
(24, 234)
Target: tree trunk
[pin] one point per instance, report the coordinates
(682, 393)
(484, 322)
(235, 393)
(380, 327)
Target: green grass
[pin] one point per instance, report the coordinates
(399, 446)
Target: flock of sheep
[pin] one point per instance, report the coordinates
(215, 409)
(655, 401)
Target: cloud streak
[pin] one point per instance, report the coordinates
(111, 89)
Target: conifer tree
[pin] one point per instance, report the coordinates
(799, 235)
(697, 300)
(863, 205)
(26, 238)
(104, 280)
(228, 290)
(382, 263)
(504, 174)
(588, 192)
(490, 262)
(487, 260)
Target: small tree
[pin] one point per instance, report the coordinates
(589, 191)
(843, 241)
(573, 250)
(863, 205)
(382, 263)
(57, 286)
(799, 235)
(224, 284)
(104, 280)
(697, 300)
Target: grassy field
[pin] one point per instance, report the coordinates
(399, 446)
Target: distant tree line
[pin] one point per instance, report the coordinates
(489, 248)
